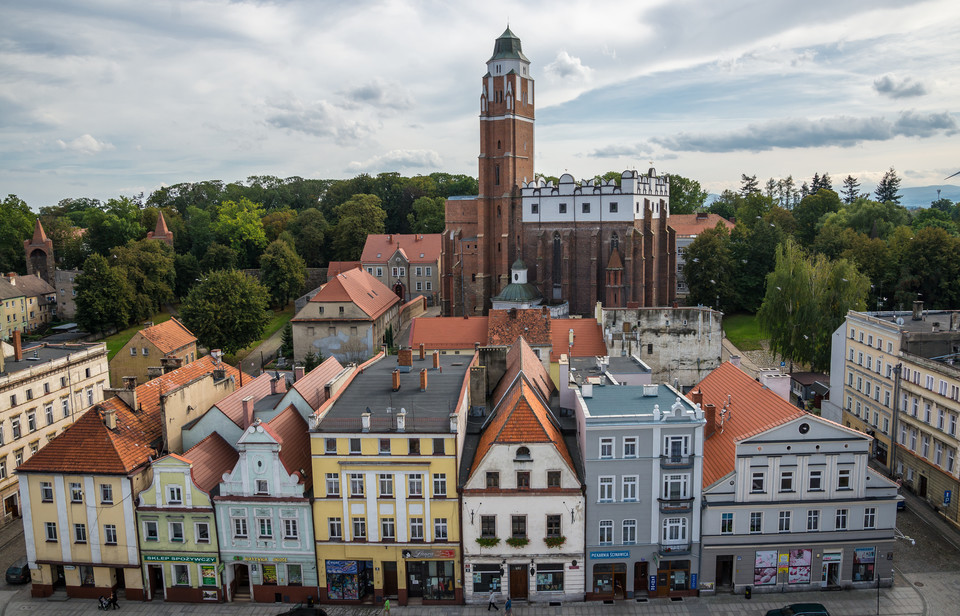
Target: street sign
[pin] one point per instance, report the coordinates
(947, 494)
(782, 364)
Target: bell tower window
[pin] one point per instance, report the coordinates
(496, 172)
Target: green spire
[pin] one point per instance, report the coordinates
(507, 47)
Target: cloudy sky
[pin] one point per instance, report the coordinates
(107, 97)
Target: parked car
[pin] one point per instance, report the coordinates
(800, 609)
(18, 572)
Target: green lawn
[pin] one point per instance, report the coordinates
(116, 341)
(744, 331)
(276, 322)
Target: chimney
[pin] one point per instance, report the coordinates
(735, 360)
(587, 390)
(513, 313)
(405, 357)
(478, 386)
(436, 360)
(396, 380)
(696, 397)
(17, 346)
(110, 419)
(129, 382)
(219, 374)
(247, 411)
(453, 423)
(216, 354)
(402, 420)
(170, 363)
(423, 380)
(389, 239)
(153, 372)
(423, 352)
(297, 373)
(917, 310)
(365, 422)
(278, 384)
(935, 326)
(701, 215)
(710, 411)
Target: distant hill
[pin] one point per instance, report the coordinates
(911, 198)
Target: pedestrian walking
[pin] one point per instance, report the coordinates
(508, 607)
(492, 602)
(113, 600)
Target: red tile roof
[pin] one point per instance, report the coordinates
(522, 359)
(293, 434)
(413, 245)
(755, 409)
(210, 459)
(506, 326)
(310, 386)
(448, 332)
(336, 267)
(587, 338)
(689, 224)
(87, 446)
(169, 335)
(360, 288)
(232, 405)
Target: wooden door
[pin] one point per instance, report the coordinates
(640, 582)
(518, 581)
(724, 574)
(922, 492)
(390, 579)
(663, 583)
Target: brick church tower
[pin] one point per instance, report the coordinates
(482, 233)
(161, 233)
(39, 251)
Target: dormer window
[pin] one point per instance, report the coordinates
(523, 453)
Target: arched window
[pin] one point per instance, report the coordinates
(614, 242)
(496, 171)
(498, 144)
(523, 453)
(557, 259)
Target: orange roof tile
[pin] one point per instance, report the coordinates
(413, 246)
(210, 459)
(689, 224)
(755, 409)
(310, 386)
(169, 335)
(522, 359)
(88, 446)
(506, 326)
(293, 434)
(337, 267)
(587, 338)
(232, 405)
(360, 288)
(448, 332)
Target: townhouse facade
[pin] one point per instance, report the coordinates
(29, 302)
(409, 264)
(152, 351)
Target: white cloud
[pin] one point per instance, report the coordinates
(566, 66)
(889, 85)
(85, 144)
(398, 159)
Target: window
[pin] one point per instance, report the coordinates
(613, 208)
(65, 404)
(151, 531)
(726, 523)
(606, 490)
(133, 351)
(786, 481)
(523, 453)
(675, 447)
(439, 447)
(386, 485)
(843, 479)
(534, 208)
(926, 446)
(440, 485)
(815, 481)
(488, 526)
(415, 483)
(757, 482)
(106, 493)
(523, 480)
(629, 489)
(439, 529)
(354, 446)
(553, 479)
(629, 532)
(675, 486)
(630, 447)
(262, 486)
(15, 427)
(46, 491)
(563, 208)
(174, 495)
(379, 272)
(413, 446)
(201, 531)
(606, 532)
(419, 271)
(384, 446)
(239, 528)
(841, 519)
(80, 533)
(429, 271)
(48, 411)
(870, 517)
(31, 421)
(585, 208)
(756, 521)
(336, 528)
(518, 526)
(388, 529)
(290, 529)
(176, 531)
(333, 484)
(356, 484)
(181, 575)
(359, 528)
(330, 445)
(813, 519)
(784, 522)
(416, 529)
(674, 530)
(51, 530)
(76, 494)
(553, 525)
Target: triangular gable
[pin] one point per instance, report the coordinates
(818, 429)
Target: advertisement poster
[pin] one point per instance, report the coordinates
(208, 575)
(863, 563)
(765, 568)
(799, 567)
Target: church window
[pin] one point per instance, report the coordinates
(586, 208)
(557, 256)
(613, 207)
(563, 208)
(534, 208)
(614, 242)
(498, 144)
(496, 171)
(498, 207)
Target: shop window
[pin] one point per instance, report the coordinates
(863, 564)
(609, 576)
(486, 577)
(86, 576)
(765, 568)
(799, 569)
(294, 575)
(550, 577)
(269, 575)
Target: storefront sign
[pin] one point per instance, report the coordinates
(693, 580)
(429, 553)
(257, 559)
(178, 558)
(610, 554)
(208, 576)
(653, 583)
(832, 557)
(947, 496)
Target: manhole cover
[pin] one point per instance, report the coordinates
(918, 584)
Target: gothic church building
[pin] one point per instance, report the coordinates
(581, 242)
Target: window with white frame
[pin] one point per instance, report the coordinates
(629, 488)
(674, 530)
(439, 529)
(201, 532)
(815, 481)
(606, 532)
(756, 521)
(181, 575)
(843, 479)
(870, 518)
(676, 486)
(151, 530)
(106, 493)
(630, 447)
(176, 531)
(726, 523)
(291, 529)
(386, 485)
(356, 484)
(629, 532)
(46, 492)
(388, 529)
(439, 485)
(605, 494)
(174, 495)
(784, 522)
(415, 485)
(76, 493)
(262, 486)
(813, 519)
(333, 484)
(758, 482)
(265, 528)
(416, 529)
(50, 528)
(841, 519)
(606, 448)
(786, 481)
(79, 533)
(676, 446)
(239, 528)
(335, 526)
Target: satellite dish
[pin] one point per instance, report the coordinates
(899, 320)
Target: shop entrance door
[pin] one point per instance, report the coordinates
(831, 574)
(724, 572)
(922, 491)
(518, 581)
(389, 579)
(640, 583)
(241, 583)
(59, 581)
(156, 582)
(415, 575)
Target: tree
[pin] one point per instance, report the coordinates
(945, 205)
(707, 266)
(148, 267)
(686, 196)
(888, 190)
(309, 233)
(239, 225)
(187, 270)
(748, 184)
(811, 210)
(359, 216)
(869, 217)
(930, 217)
(115, 225)
(753, 245)
(286, 341)
(226, 310)
(806, 300)
(851, 189)
(282, 271)
(104, 296)
(278, 221)
(310, 361)
(199, 224)
(218, 257)
(16, 225)
(930, 270)
(725, 205)
(427, 215)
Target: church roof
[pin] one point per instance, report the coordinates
(507, 47)
(161, 230)
(39, 235)
(516, 292)
(518, 264)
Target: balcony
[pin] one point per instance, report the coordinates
(674, 549)
(676, 462)
(675, 505)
